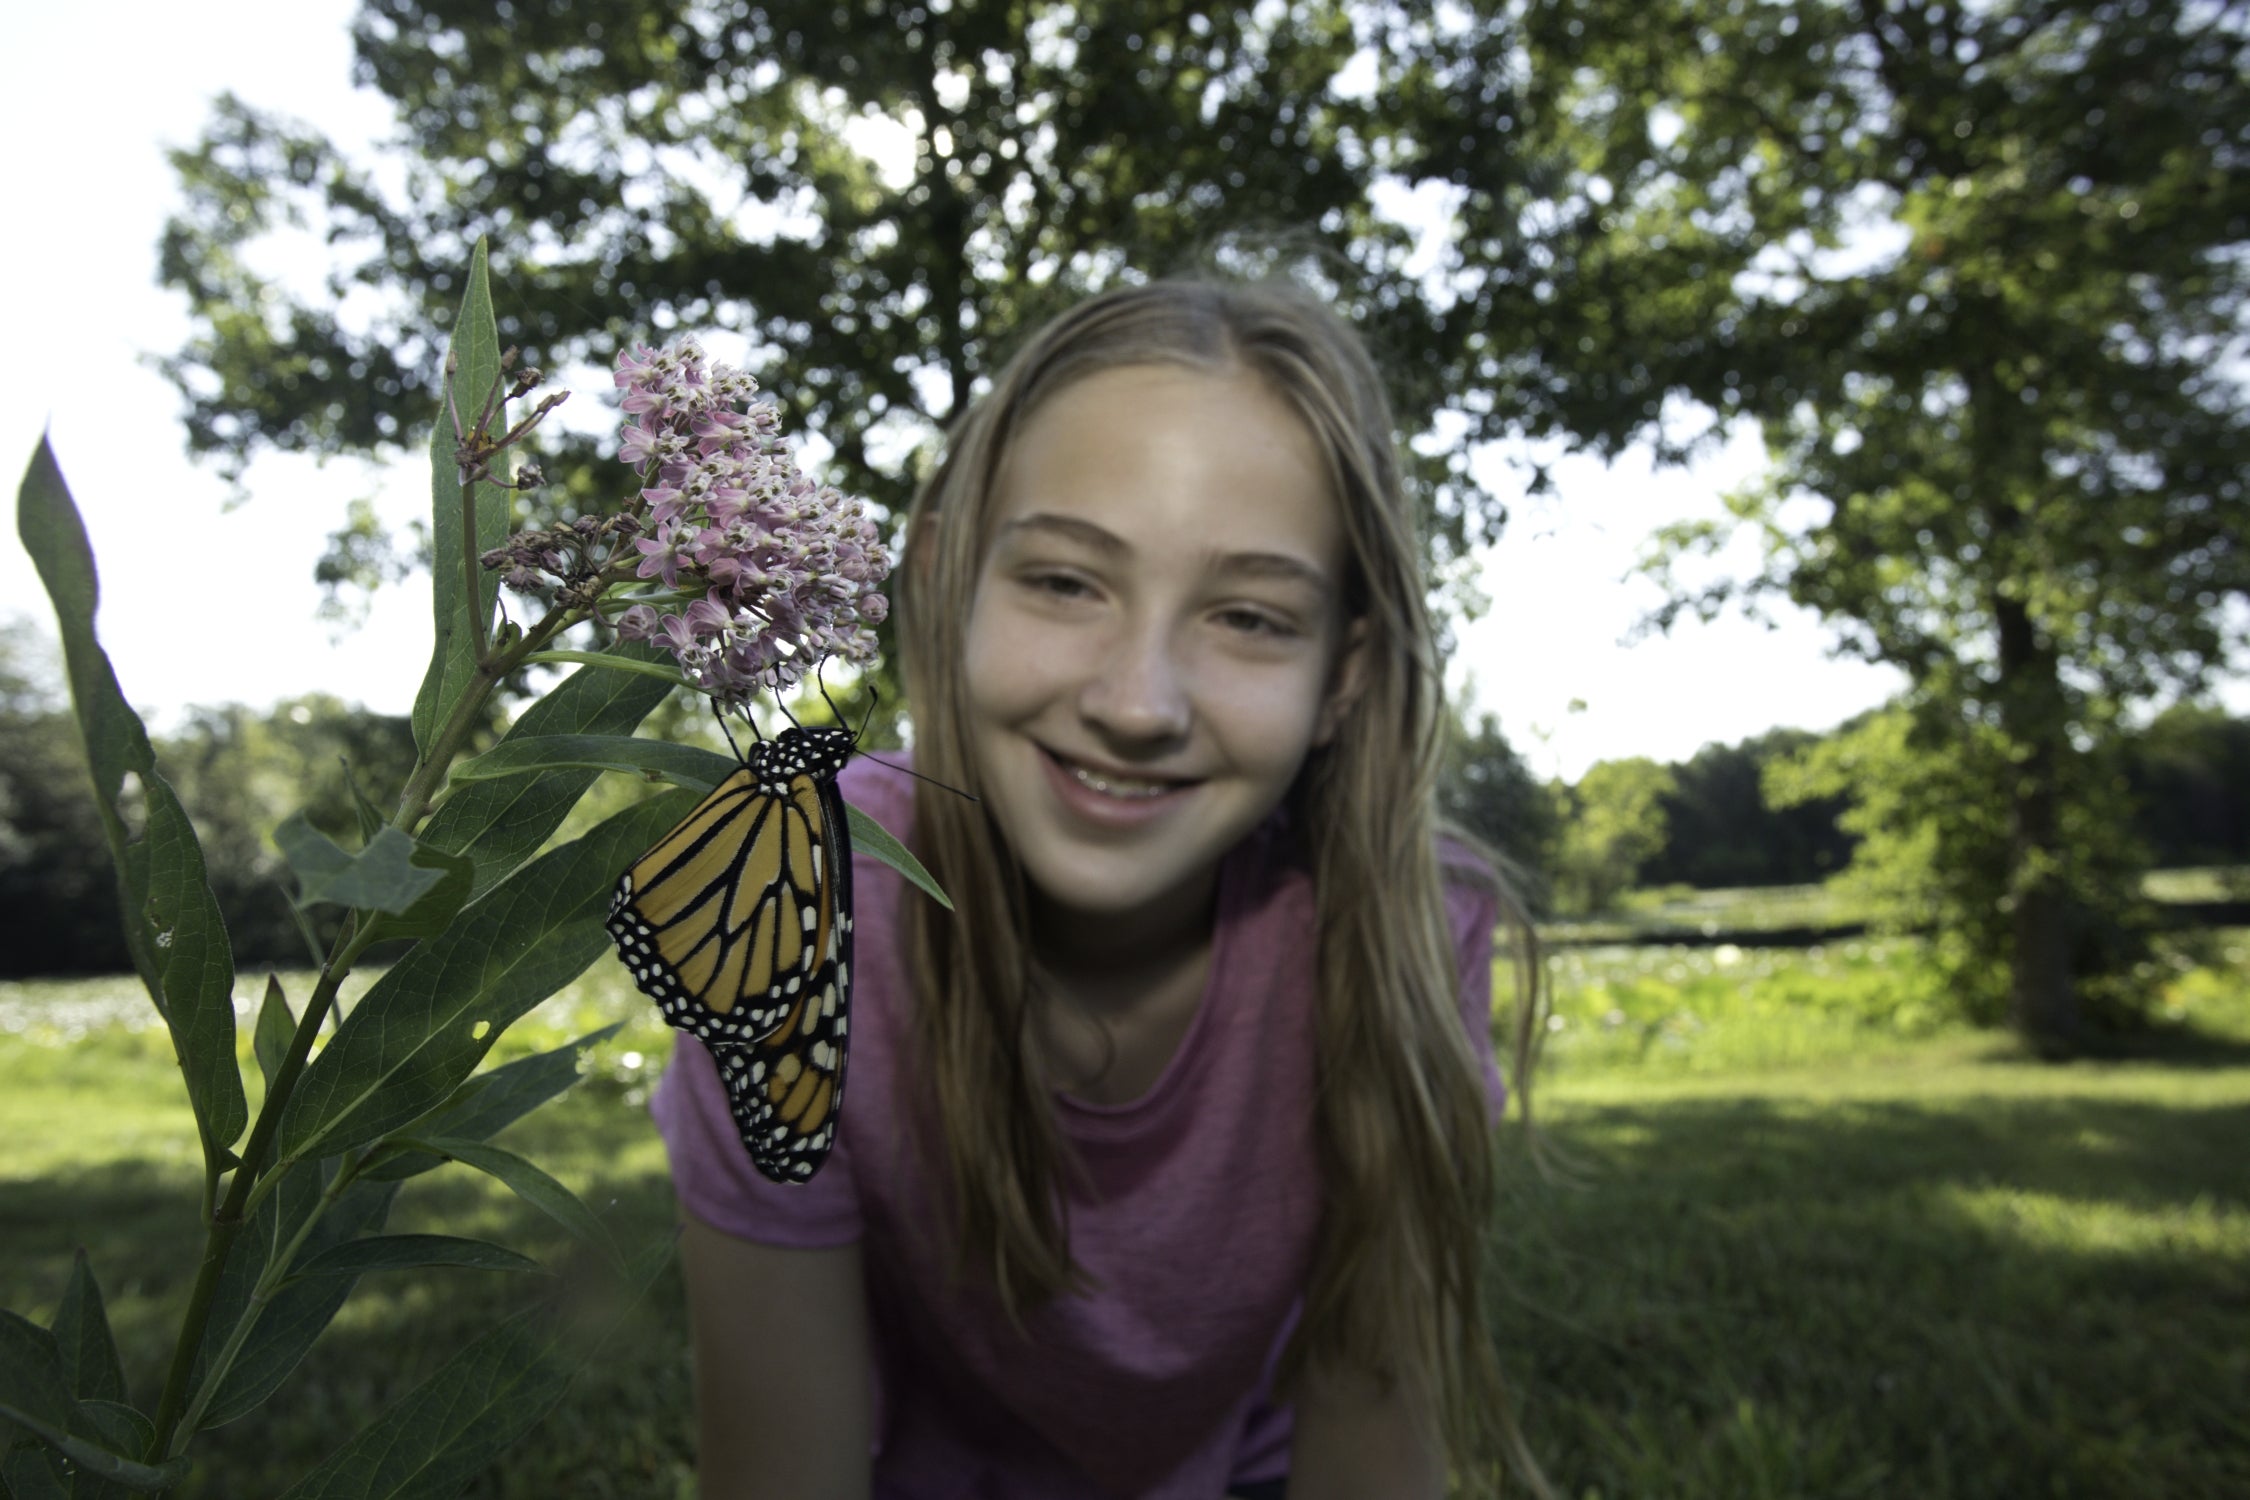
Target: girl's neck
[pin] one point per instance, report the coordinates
(1105, 961)
(1127, 989)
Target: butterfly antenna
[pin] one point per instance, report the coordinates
(820, 681)
(720, 714)
(918, 776)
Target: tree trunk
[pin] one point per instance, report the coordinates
(2043, 1001)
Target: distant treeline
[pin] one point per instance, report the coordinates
(1705, 821)
(238, 772)
(1701, 822)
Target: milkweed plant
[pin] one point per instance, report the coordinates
(727, 571)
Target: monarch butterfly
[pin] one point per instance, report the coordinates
(738, 924)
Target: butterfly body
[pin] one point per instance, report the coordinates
(738, 925)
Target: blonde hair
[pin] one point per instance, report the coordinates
(1405, 1151)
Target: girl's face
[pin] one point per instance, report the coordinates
(1157, 639)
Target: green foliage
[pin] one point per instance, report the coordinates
(495, 913)
(172, 927)
(1969, 268)
(2189, 773)
(1721, 831)
(1711, 1009)
(1613, 822)
(419, 1033)
(1933, 850)
(242, 772)
(294, 1210)
(58, 892)
(444, 1431)
(1487, 790)
(467, 520)
(701, 168)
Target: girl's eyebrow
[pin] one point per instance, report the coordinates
(1277, 566)
(1067, 528)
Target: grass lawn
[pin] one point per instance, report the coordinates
(1815, 1241)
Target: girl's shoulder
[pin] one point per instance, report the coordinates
(1462, 863)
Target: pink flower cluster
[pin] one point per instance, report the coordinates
(788, 570)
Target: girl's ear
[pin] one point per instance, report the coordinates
(1346, 680)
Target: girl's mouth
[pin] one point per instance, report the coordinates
(1101, 787)
(1131, 788)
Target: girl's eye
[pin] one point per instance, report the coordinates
(1058, 585)
(1256, 623)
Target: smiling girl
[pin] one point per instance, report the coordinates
(1166, 1162)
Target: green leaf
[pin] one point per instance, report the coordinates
(871, 837)
(35, 1473)
(172, 924)
(416, 889)
(461, 618)
(406, 1252)
(437, 907)
(682, 765)
(533, 1186)
(380, 873)
(420, 1031)
(669, 676)
(292, 1321)
(366, 814)
(276, 1028)
(450, 1427)
(195, 970)
(381, 877)
(82, 1338)
(47, 521)
(34, 1386)
(125, 1434)
(500, 824)
(35, 1395)
(315, 954)
(490, 1102)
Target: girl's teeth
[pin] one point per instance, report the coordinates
(1118, 786)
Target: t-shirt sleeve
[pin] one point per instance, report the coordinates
(1473, 914)
(712, 1174)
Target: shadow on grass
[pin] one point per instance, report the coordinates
(2164, 1044)
(2172, 1046)
(1982, 1297)
(1994, 1297)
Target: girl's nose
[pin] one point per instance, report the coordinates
(1140, 693)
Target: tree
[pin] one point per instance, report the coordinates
(1979, 273)
(1613, 821)
(58, 897)
(649, 165)
(2189, 771)
(1486, 789)
(1722, 831)
(240, 772)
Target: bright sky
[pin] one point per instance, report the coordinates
(206, 604)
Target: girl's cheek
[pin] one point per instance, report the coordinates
(1007, 658)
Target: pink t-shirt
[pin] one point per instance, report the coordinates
(1194, 1219)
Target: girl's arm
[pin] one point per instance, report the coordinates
(782, 1377)
(1355, 1439)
